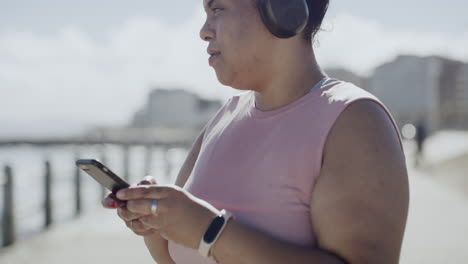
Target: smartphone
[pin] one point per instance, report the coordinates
(102, 174)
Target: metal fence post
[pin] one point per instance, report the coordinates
(48, 195)
(167, 163)
(126, 162)
(78, 204)
(8, 211)
(148, 159)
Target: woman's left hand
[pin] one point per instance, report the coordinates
(180, 216)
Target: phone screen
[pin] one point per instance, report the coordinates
(102, 174)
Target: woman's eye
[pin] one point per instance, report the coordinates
(216, 10)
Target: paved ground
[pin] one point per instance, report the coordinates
(437, 224)
(436, 232)
(93, 238)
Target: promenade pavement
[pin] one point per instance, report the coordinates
(97, 237)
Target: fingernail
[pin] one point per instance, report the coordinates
(148, 178)
(120, 194)
(112, 204)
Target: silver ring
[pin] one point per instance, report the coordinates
(131, 224)
(154, 206)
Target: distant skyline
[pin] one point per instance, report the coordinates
(65, 65)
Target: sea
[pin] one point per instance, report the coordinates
(28, 168)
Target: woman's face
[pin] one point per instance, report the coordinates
(240, 45)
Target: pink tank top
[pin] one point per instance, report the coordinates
(262, 166)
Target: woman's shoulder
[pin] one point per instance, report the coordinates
(351, 103)
(346, 92)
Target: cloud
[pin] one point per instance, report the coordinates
(70, 77)
(360, 44)
(62, 82)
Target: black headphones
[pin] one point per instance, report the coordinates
(284, 18)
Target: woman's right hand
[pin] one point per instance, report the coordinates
(156, 244)
(130, 218)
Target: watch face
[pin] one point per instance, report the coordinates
(213, 230)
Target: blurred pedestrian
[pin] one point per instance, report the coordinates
(421, 135)
(298, 168)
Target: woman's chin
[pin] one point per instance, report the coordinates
(230, 82)
(223, 78)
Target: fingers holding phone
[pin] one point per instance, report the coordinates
(114, 183)
(107, 178)
(111, 202)
(132, 220)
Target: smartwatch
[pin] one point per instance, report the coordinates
(213, 232)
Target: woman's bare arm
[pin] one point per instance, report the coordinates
(360, 202)
(359, 205)
(189, 162)
(158, 246)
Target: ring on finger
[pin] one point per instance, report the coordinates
(154, 206)
(131, 224)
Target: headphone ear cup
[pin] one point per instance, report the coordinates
(284, 18)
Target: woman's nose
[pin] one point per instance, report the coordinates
(207, 33)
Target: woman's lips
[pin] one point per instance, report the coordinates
(213, 58)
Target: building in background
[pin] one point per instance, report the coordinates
(167, 116)
(429, 90)
(175, 109)
(453, 87)
(408, 86)
(432, 91)
(348, 76)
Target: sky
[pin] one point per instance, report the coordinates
(67, 65)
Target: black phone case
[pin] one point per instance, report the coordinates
(102, 174)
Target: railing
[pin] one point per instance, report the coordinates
(9, 216)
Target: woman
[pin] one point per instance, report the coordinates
(310, 168)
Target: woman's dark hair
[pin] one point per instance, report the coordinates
(317, 11)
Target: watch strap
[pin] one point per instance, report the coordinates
(205, 246)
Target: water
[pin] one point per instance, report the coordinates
(28, 175)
